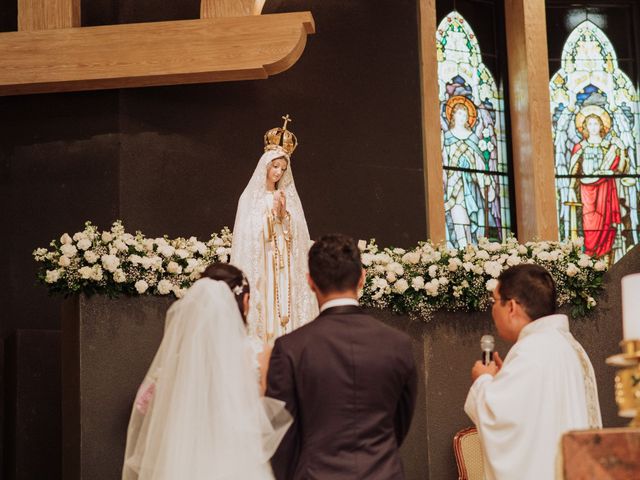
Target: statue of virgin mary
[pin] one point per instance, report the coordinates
(271, 242)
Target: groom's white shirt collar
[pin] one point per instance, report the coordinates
(338, 302)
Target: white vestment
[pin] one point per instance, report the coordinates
(545, 388)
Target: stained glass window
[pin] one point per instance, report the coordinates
(594, 108)
(474, 157)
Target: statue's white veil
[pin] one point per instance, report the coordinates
(199, 414)
(247, 252)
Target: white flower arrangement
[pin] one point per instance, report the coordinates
(433, 277)
(417, 282)
(115, 262)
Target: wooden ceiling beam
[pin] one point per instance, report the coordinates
(230, 8)
(147, 54)
(48, 14)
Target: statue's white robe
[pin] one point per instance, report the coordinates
(545, 388)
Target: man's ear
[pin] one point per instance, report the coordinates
(363, 277)
(311, 283)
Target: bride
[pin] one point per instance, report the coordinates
(199, 413)
(271, 242)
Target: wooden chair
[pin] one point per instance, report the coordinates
(468, 451)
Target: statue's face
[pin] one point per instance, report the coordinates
(594, 126)
(460, 116)
(276, 169)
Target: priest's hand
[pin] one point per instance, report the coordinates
(480, 369)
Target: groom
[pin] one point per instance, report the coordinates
(348, 380)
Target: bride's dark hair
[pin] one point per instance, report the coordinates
(234, 278)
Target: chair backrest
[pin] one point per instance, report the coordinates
(468, 451)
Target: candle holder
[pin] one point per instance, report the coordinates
(627, 381)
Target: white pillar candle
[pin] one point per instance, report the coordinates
(631, 307)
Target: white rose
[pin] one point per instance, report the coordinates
(522, 250)
(64, 261)
(174, 268)
(120, 245)
(468, 266)
(412, 258)
(600, 266)
(454, 263)
(544, 256)
(478, 270)
(417, 283)
(554, 255)
(591, 302)
(146, 263)
(572, 270)
(110, 262)
(166, 250)
(135, 259)
(513, 260)
(96, 273)
(383, 258)
(201, 248)
(362, 245)
(84, 244)
(584, 261)
(401, 286)
(218, 242)
(165, 287)
(52, 276)
(443, 280)
(91, 256)
(379, 269)
(192, 263)
(391, 277)
(433, 271)
(182, 253)
(483, 255)
(491, 284)
(380, 283)
(141, 286)
(179, 292)
(396, 268)
(119, 276)
(432, 287)
(378, 295)
(399, 251)
(493, 268)
(66, 239)
(85, 272)
(106, 237)
(80, 236)
(366, 259)
(68, 250)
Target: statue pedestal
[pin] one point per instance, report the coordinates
(611, 453)
(107, 347)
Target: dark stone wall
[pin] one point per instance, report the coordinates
(174, 160)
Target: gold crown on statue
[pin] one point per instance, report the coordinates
(280, 138)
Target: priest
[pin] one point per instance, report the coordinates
(545, 386)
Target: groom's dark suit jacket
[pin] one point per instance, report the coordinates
(350, 383)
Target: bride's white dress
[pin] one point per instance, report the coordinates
(199, 414)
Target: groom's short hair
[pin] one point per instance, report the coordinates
(334, 263)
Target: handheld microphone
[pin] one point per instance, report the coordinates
(487, 344)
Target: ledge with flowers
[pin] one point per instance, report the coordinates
(108, 344)
(417, 281)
